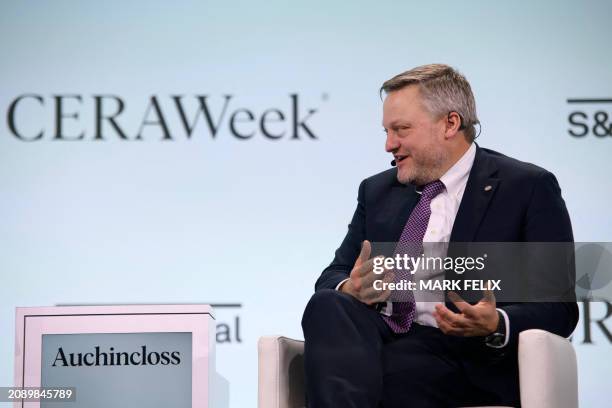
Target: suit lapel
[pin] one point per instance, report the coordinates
(479, 190)
(401, 202)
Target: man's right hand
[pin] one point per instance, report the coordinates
(361, 280)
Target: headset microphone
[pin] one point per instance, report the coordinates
(393, 163)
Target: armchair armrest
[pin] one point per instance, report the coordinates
(281, 372)
(547, 370)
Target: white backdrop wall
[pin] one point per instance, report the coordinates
(253, 222)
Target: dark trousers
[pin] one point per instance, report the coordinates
(352, 359)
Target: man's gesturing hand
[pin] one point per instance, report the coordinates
(473, 320)
(361, 281)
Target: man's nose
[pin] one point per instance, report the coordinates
(392, 143)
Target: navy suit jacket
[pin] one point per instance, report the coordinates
(523, 205)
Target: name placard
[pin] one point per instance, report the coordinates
(119, 356)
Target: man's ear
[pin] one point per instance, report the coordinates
(453, 124)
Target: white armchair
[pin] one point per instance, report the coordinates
(547, 371)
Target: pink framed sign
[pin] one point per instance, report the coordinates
(120, 356)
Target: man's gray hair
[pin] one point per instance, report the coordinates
(443, 89)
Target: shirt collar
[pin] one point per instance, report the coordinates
(456, 177)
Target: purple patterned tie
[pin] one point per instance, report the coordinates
(411, 243)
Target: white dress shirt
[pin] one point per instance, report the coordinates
(444, 208)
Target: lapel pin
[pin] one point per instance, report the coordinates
(488, 188)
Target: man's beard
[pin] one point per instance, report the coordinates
(425, 168)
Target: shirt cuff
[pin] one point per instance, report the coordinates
(340, 284)
(386, 309)
(507, 323)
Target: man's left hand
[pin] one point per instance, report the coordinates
(480, 319)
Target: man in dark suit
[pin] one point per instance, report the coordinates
(361, 349)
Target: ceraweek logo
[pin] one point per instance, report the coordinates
(588, 319)
(594, 117)
(167, 118)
